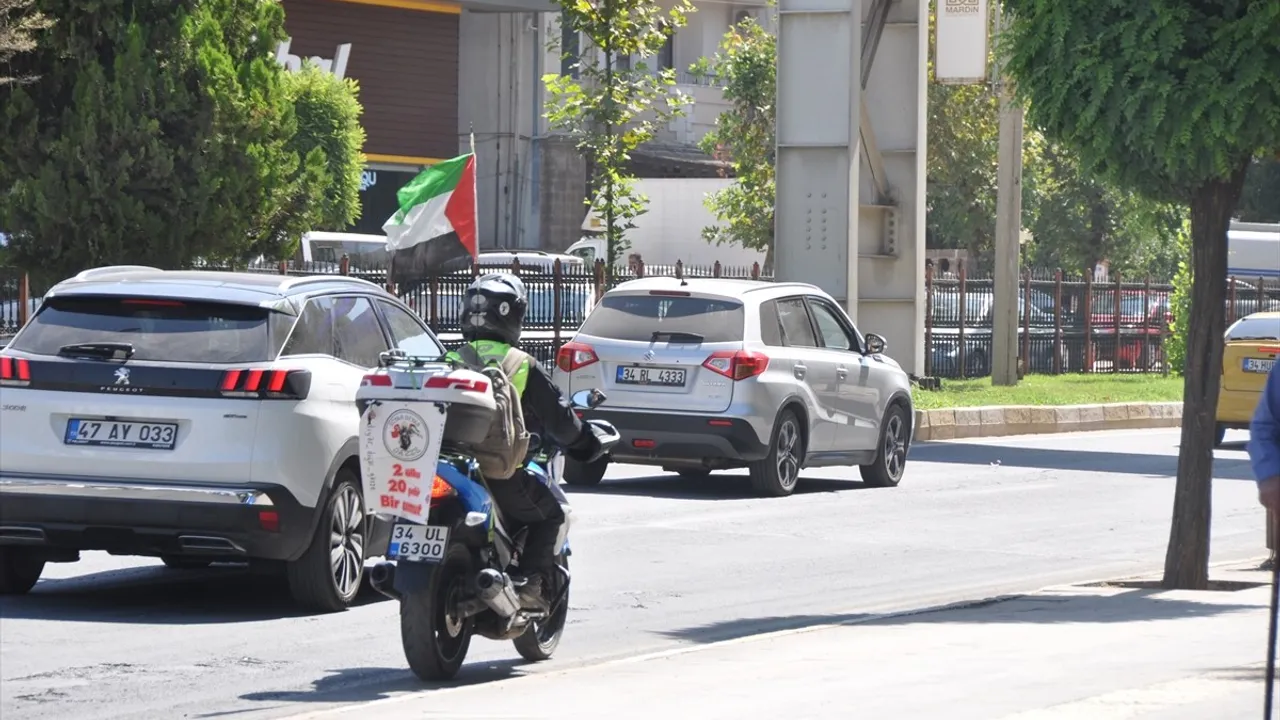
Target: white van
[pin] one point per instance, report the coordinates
(317, 250)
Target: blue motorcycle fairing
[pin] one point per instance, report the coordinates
(474, 496)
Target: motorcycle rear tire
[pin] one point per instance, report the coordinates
(434, 644)
(540, 641)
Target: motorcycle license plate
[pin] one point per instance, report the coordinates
(418, 543)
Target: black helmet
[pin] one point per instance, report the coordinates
(493, 308)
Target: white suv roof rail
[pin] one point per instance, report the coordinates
(112, 269)
(309, 279)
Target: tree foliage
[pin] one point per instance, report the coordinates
(1260, 201)
(613, 108)
(20, 24)
(745, 134)
(324, 190)
(1175, 347)
(964, 132)
(1076, 219)
(1173, 99)
(1080, 220)
(165, 131)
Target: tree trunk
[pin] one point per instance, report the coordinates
(1186, 564)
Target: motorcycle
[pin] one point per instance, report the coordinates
(453, 577)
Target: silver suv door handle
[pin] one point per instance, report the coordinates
(842, 372)
(799, 370)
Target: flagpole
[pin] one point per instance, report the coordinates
(475, 190)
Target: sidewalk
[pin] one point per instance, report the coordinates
(1070, 653)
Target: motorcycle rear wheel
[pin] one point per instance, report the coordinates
(542, 638)
(435, 640)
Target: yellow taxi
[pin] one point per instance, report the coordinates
(1252, 344)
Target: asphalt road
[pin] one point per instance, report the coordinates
(658, 562)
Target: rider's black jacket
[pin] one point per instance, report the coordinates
(548, 413)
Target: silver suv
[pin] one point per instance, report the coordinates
(705, 374)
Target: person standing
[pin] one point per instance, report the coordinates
(1264, 455)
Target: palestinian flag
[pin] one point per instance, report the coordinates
(436, 222)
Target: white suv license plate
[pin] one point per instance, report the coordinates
(664, 377)
(418, 543)
(118, 433)
(1258, 365)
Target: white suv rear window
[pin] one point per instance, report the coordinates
(157, 328)
(638, 317)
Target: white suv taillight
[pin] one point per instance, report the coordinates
(737, 364)
(573, 355)
(266, 384)
(14, 371)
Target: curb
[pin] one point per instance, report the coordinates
(996, 421)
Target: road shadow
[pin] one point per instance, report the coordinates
(358, 685)
(1075, 460)
(717, 486)
(1046, 608)
(163, 596)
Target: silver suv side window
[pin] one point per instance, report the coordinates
(834, 334)
(797, 331)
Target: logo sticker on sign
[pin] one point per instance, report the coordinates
(400, 445)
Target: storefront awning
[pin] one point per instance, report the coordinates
(509, 6)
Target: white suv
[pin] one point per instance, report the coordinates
(198, 417)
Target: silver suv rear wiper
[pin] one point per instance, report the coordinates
(103, 350)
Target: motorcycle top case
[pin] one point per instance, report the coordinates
(467, 395)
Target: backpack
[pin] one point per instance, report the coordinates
(506, 445)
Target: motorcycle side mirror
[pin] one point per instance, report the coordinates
(587, 399)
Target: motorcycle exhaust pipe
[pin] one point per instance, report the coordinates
(496, 591)
(383, 578)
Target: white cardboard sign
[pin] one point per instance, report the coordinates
(399, 449)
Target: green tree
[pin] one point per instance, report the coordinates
(1180, 304)
(20, 25)
(1260, 201)
(1172, 99)
(614, 107)
(324, 191)
(160, 132)
(745, 134)
(1081, 220)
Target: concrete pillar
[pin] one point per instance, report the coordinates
(816, 222)
(851, 179)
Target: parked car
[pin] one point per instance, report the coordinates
(1251, 346)
(978, 348)
(198, 417)
(704, 374)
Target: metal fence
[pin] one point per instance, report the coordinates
(1067, 323)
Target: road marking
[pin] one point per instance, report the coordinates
(1139, 701)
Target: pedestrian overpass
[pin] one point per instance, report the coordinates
(851, 123)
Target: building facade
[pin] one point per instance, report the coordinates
(433, 75)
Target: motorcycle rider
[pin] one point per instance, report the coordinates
(493, 312)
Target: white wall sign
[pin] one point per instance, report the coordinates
(337, 66)
(960, 55)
